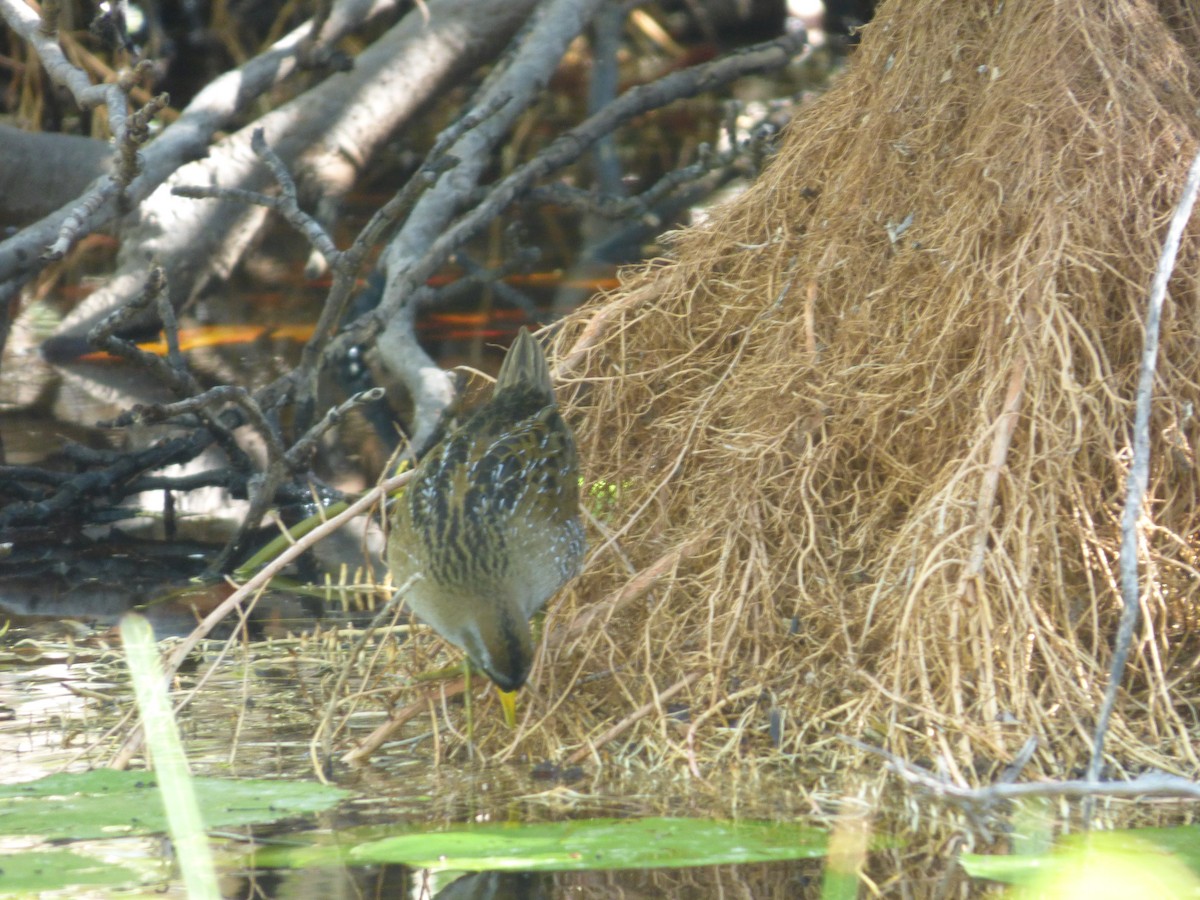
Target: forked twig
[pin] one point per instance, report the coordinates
(979, 801)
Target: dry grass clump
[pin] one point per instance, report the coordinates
(871, 423)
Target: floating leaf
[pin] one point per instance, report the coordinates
(108, 803)
(566, 846)
(28, 873)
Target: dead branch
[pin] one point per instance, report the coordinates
(1139, 470)
(186, 138)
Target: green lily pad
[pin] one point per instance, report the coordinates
(106, 803)
(28, 873)
(568, 846)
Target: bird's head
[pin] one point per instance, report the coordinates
(499, 644)
(487, 624)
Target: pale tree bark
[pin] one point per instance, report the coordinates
(326, 136)
(198, 202)
(25, 253)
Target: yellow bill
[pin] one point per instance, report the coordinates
(508, 702)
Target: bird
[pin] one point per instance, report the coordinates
(488, 528)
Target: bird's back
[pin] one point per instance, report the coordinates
(492, 514)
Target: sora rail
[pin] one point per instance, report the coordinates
(490, 522)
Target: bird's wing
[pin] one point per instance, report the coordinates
(519, 462)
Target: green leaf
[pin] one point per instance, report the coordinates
(177, 788)
(568, 846)
(107, 803)
(27, 873)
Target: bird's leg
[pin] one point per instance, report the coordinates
(441, 674)
(467, 711)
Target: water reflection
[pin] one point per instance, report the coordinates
(774, 881)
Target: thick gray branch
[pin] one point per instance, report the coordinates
(187, 138)
(24, 21)
(338, 124)
(521, 81)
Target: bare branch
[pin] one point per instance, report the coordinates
(287, 204)
(187, 138)
(570, 146)
(103, 335)
(137, 133)
(24, 21)
(338, 123)
(979, 802)
(542, 46)
(303, 448)
(1139, 470)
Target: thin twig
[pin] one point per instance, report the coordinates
(1149, 784)
(255, 584)
(630, 720)
(307, 444)
(598, 326)
(636, 587)
(379, 736)
(1005, 425)
(1139, 470)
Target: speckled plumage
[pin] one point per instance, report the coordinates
(490, 521)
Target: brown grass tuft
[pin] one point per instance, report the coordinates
(870, 476)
